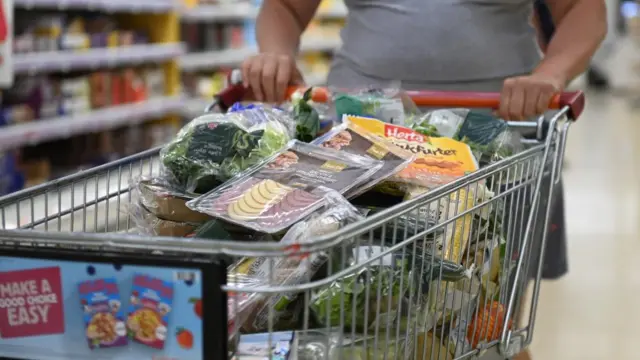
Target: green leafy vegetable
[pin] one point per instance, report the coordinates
(307, 118)
(352, 293)
(213, 148)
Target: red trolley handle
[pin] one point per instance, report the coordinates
(574, 100)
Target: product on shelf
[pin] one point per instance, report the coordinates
(72, 31)
(201, 37)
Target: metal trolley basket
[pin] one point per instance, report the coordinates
(379, 308)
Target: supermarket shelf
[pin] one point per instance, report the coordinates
(151, 6)
(211, 59)
(220, 12)
(94, 58)
(244, 11)
(93, 121)
(195, 106)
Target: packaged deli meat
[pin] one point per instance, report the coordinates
(438, 161)
(358, 140)
(287, 187)
(295, 268)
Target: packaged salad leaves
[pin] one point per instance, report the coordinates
(358, 140)
(215, 147)
(286, 187)
(389, 105)
(295, 268)
(387, 288)
(438, 160)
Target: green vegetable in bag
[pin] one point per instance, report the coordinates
(431, 266)
(307, 118)
(215, 147)
(351, 292)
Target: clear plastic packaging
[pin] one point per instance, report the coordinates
(438, 160)
(489, 138)
(286, 188)
(358, 140)
(165, 202)
(295, 268)
(390, 105)
(215, 147)
(149, 224)
(385, 306)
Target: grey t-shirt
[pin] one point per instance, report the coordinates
(445, 44)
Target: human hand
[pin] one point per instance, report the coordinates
(524, 97)
(268, 75)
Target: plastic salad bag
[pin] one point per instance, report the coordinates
(292, 269)
(489, 138)
(390, 105)
(286, 187)
(376, 298)
(358, 140)
(215, 147)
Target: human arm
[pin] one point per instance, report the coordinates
(279, 26)
(581, 26)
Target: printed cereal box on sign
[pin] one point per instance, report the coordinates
(103, 313)
(149, 309)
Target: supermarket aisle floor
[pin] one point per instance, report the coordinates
(592, 313)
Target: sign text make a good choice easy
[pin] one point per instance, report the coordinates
(31, 302)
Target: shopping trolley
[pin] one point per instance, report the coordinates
(76, 230)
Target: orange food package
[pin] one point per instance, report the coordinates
(488, 324)
(439, 160)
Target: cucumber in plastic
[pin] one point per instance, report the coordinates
(431, 266)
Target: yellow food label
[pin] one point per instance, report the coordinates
(377, 151)
(438, 160)
(333, 166)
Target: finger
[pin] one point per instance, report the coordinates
(543, 102)
(531, 96)
(516, 103)
(283, 78)
(505, 98)
(245, 68)
(545, 99)
(269, 70)
(255, 79)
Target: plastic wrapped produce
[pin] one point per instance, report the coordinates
(389, 105)
(295, 268)
(390, 298)
(215, 147)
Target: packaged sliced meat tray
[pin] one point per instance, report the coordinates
(287, 187)
(358, 140)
